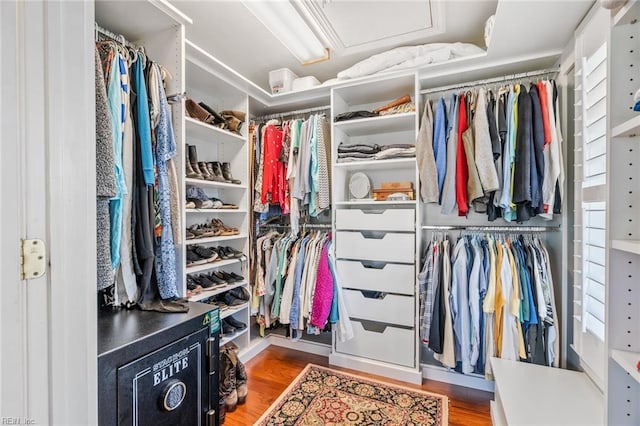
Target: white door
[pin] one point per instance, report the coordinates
(47, 179)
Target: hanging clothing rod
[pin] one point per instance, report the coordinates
(506, 229)
(490, 81)
(296, 112)
(302, 225)
(113, 36)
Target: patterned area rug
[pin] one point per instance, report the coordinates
(322, 396)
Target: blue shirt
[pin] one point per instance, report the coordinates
(440, 143)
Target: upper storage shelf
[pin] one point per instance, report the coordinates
(208, 133)
(377, 125)
(126, 17)
(372, 94)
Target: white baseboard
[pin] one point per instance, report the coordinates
(300, 345)
(374, 367)
(441, 374)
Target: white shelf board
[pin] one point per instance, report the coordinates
(394, 163)
(631, 246)
(210, 266)
(214, 239)
(568, 397)
(204, 132)
(227, 339)
(628, 361)
(378, 125)
(233, 311)
(209, 293)
(375, 203)
(215, 211)
(629, 128)
(124, 17)
(213, 184)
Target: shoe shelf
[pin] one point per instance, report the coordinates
(628, 361)
(226, 339)
(214, 239)
(216, 290)
(393, 163)
(630, 246)
(232, 310)
(213, 184)
(204, 132)
(629, 128)
(209, 211)
(211, 265)
(377, 125)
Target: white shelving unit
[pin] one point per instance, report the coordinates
(623, 174)
(385, 344)
(204, 84)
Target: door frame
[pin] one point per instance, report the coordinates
(48, 361)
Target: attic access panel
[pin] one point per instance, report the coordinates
(377, 24)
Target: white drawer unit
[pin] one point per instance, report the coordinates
(381, 342)
(376, 245)
(376, 219)
(378, 276)
(380, 306)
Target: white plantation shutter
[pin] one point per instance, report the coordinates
(595, 118)
(593, 268)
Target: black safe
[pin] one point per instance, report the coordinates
(158, 368)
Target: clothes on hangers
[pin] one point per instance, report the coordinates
(296, 284)
(487, 297)
(292, 167)
(500, 155)
(143, 209)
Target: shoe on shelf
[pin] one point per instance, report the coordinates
(214, 176)
(231, 300)
(202, 165)
(219, 282)
(217, 275)
(189, 171)
(238, 325)
(226, 173)
(216, 167)
(224, 229)
(193, 258)
(227, 328)
(240, 293)
(190, 205)
(229, 278)
(227, 386)
(196, 111)
(240, 115)
(233, 252)
(193, 288)
(235, 276)
(205, 253)
(218, 120)
(224, 254)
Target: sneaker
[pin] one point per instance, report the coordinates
(205, 253)
(193, 258)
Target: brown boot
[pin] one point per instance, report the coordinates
(226, 172)
(240, 115)
(241, 382)
(228, 379)
(193, 159)
(203, 169)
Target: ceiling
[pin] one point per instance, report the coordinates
(360, 28)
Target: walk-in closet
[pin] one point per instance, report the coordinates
(320, 212)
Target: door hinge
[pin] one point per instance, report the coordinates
(33, 259)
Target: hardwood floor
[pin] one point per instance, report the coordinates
(274, 369)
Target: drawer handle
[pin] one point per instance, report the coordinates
(373, 235)
(369, 264)
(375, 327)
(368, 294)
(372, 211)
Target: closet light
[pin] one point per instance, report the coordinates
(283, 20)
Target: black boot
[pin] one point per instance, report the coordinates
(226, 172)
(193, 159)
(187, 165)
